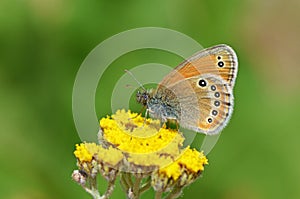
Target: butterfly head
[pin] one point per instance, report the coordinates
(143, 96)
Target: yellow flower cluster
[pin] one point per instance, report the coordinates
(134, 134)
(191, 160)
(181, 172)
(132, 144)
(85, 152)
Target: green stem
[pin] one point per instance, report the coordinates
(175, 193)
(136, 187)
(93, 189)
(124, 184)
(109, 190)
(128, 179)
(145, 186)
(158, 194)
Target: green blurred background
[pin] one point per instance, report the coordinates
(43, 43)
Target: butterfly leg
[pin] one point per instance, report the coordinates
(146, 115)
(140, 113)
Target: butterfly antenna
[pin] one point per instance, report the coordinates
(127, 71)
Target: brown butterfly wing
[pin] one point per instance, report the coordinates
(220, 60)
(203, 89)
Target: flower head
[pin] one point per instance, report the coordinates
(137, 147)
(181, 172)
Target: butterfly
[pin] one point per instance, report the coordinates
(198, 93)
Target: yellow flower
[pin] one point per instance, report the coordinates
(147, 145)
(132, 133)
(83, 153)
(190, 161)
(136, 146)
(193, 160)
(181, 172)
(110, 156)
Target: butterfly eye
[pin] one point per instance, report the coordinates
(202, 83)
(209, 120)
(220, 64)
(217, 103)
(217, 94)
(213, 88)
(214, 113)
